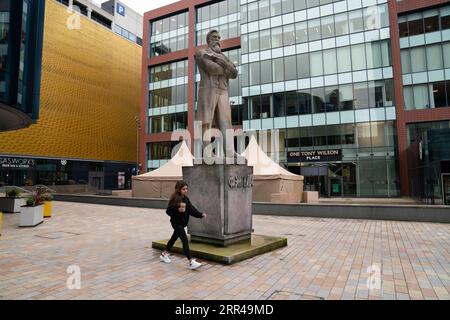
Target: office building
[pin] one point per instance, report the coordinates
(351, 85)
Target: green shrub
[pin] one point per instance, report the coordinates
(31, 202)
(13, 193)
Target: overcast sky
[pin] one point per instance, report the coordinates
(142, 6)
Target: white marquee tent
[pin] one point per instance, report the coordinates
(271, 182)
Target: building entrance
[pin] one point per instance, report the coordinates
(446, 188)
(334, 179)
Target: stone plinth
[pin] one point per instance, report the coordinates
(258, 244)
(224, 192)
(311, 196)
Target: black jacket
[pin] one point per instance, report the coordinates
(182, 218)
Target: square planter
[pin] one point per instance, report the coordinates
(47, 209)
(11, 205)
(31, 216)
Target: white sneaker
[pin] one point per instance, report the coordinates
(164, 258)
(194, 264)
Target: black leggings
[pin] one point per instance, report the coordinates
(178, 232)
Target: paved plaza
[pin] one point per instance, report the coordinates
(324, 259)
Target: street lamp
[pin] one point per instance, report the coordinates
(138, 127)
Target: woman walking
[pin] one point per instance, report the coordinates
(179, 210)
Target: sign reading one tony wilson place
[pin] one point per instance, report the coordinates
(315, 155)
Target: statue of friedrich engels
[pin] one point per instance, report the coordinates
(213, 102)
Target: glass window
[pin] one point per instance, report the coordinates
(332, 98)
(301, 32)
(299, 5)
(303, 66)
(275, 7)
(288, 35)
(384, 15)
(448, 92)
(341, 22)
(434, 57)
(356, 21)
(431, 24)
(408, 97)
(446, 46)
(264, 9)
(214, 11)
(421, 99)
(415, 27)
(304, 100)
(254, 73)
(277, 37)
(327, 26)
(265, 106)
(361, 95)
(233, 30)
(312, 3)
(373, 53)
(346, 97)
(287, 6)
(290, 69)
(278, 69)
(253, 11)
(266, 74)
(291, 103)
(279, 104)
(344, 59)
(445, 22)
(439, 96)
(406, 61)
(403, 29)
(329, 61)
(173, 23)
(253, 41)
(223, 10)
(419, 58)
(358, 57)
(264, 39)
(318, 100)
(316, 65)
(244, 14)
(204, 13)
(255, 107)
(233, 6)
(386, 52)
(314, 29)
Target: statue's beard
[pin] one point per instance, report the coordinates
(216, 48)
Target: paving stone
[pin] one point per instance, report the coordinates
(112, 247)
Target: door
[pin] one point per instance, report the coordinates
(446, 188)
(335, 187)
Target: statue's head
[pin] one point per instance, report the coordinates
(213, 40)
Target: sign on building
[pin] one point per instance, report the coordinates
(315, 156)
(120, 9)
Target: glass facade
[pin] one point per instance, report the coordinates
(21, 35)
(54, 172)
(428, 159)
(321, 73)
(223, 16)
(169, 34)
(167, 109)
(158, 153)
(425, 57)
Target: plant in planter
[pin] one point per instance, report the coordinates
(12, 201)
(47, 199)
(32, 213)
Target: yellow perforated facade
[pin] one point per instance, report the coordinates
(90, 93)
